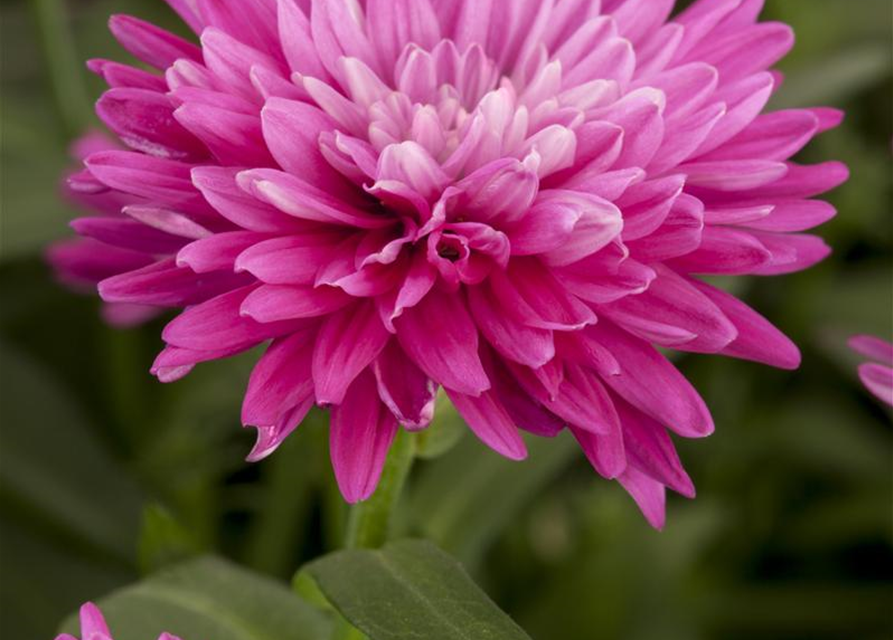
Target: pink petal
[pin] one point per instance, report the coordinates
(271, 303)
(872, 347)
(490, 422)
(675, 314)
(156, 47)
(165, 180)
(234, 138)
(772, 136)
(681, 233)
(307, 201)
(291, 260)
(217, 325)
(526, 345)
(164, 284)
(348, 342)
(361, 433)
(791, 252)
(537, 298)
(649, 382)
(412, 165)
(733, 175)
(118, 75)
(231, 61)
(879, 380)
(440, 336)
(725, 251)
(218, 252)
(280, 380)
(128, 234)
(584, 403)
(291, 130)
(649, 448)
(407, 392)
(600, 222)
(648, 493)
(218, 186)
(92, 621)
(758, 339)
(297, 41)
(646, 205)
(255, 24)
(143, 120)
(794, 215)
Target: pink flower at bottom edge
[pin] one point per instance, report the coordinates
(94, 627)
(877, 376)
(514, 201)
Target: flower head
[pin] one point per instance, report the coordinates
(877, 376)
(507, 200)
(93, 626)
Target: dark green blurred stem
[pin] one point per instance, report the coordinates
(63, 64)
(370, 521)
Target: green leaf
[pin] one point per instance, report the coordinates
(210, 599)
(409, 590)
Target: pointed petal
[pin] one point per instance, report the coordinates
(440, 336)
(361, 433)
(348, 342)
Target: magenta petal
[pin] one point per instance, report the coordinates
(144, 120)
(879, 380)
(92, 622)
(649, 447)
(673, 313)
(583, 402)
(271, 303)
(281, 379)
(523, 344)
(128, 234)
(490, 422)
(219, 187)
(872, 347)
(361, 433)
(217, 324)
(649, 382)
(452, 358)
(348, 342)
(725, 251)
(154, 46)
(292, 131)
(404, 388)
(538, 299)
(648, 493)
(794, 215)
(218, 252)
(164, 284)
(290, 259)
(234, 138)
(757, 339)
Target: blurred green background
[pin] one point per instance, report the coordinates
(106, 475)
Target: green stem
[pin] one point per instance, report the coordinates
(369, 522)
(63, 64)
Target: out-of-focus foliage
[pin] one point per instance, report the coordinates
(106, 475)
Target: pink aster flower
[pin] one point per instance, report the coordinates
(877, 376)
(510, 200)
(93, 626)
